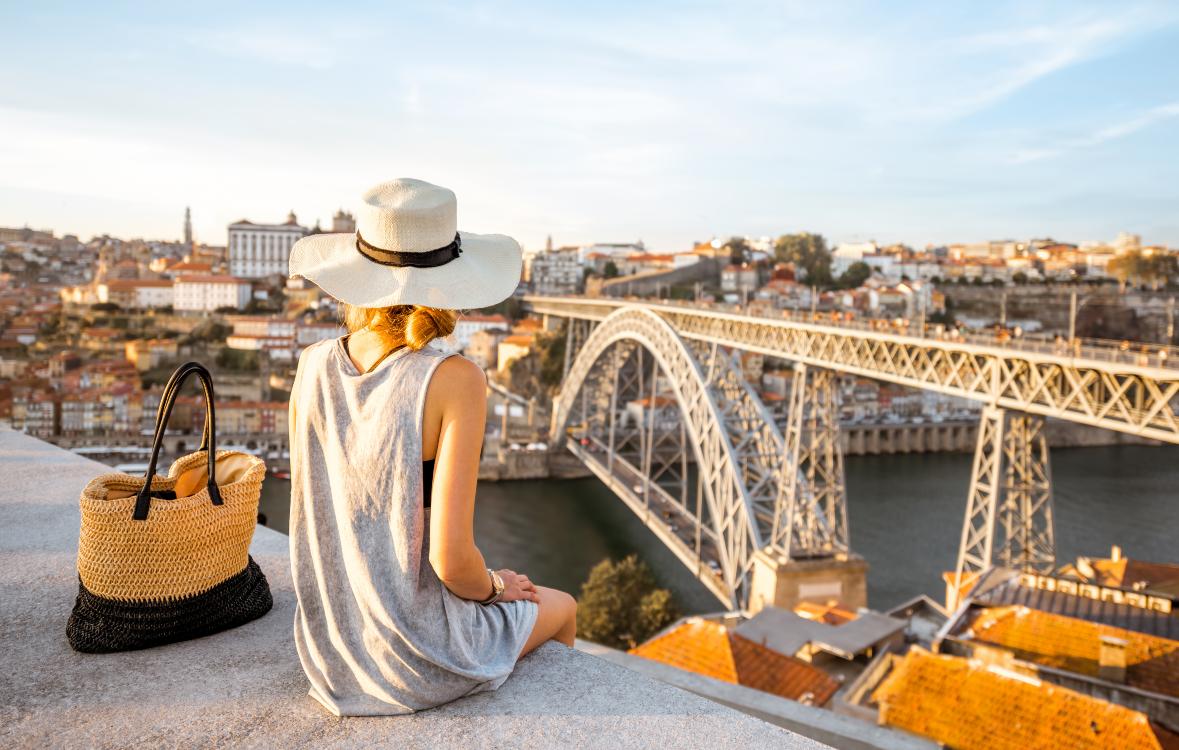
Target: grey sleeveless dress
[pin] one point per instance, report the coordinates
(376, 631)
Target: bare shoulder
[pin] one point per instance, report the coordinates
(459, 381)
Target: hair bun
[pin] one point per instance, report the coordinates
(424, 324)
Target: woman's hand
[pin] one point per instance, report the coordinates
(517, 587)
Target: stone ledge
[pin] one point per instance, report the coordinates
(244, 687)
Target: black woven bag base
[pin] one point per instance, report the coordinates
(99, 625)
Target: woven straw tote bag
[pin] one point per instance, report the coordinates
(166, 559)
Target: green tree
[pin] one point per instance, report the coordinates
(511, 308)
(620, 605)
(1159, 269)
(1019, 277)
(610, 270)
(538, 373)
(947, 317)
(1138, 267)
(855, 275)
(738, 250)
(237, 360)
(808, 252)
(551, 350)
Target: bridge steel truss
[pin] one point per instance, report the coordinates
(750, 488)
(729, 434)
(1135, 399)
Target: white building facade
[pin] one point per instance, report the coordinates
(556, 272)
(259, 250)
(468, 325)
(209, 293)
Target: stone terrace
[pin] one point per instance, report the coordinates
(244, 687)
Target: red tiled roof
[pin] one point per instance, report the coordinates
(519, 340)
(965, 705)
(709, 649)
(1152, 663)
(1128, 573)
(101, 333)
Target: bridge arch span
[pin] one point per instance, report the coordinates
(735, 445)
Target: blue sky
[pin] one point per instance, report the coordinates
(603, 121)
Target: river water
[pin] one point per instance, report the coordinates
(905, 518)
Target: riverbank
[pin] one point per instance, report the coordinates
(858, 440)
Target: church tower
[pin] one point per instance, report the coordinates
(188, 227)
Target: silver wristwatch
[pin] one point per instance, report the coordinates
(497, 587)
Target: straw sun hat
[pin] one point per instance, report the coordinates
(407, 250)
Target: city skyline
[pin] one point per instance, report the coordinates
(919, 124)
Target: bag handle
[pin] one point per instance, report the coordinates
(167, 395)
(168, 400)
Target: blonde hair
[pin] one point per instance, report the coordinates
(413, 324)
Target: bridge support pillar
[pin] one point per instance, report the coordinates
(779, 581)
(1009, 518)
(808, 559)
(810, 518)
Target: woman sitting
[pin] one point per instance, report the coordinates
(397, 610)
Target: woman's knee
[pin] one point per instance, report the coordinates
(565, 603)
(569, 610)
(563, 606)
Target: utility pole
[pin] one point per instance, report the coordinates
(1170, 320)
(921, 310)
(503, 437)
(1072, 317)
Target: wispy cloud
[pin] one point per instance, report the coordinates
(987, 68)
(268, 45)
(1100, 136)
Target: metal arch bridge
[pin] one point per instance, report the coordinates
(757, 487)
(1115, 395)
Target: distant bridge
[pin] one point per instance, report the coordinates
(717, 480)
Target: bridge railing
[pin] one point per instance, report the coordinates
(1106, 350)
(1102, 350)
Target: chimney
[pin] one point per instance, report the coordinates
(1115, 553)
(1112, 661)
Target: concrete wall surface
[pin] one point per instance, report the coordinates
(244, 687)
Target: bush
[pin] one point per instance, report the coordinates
(237, 360)
(620, 605)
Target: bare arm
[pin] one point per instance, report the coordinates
(456, 403)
